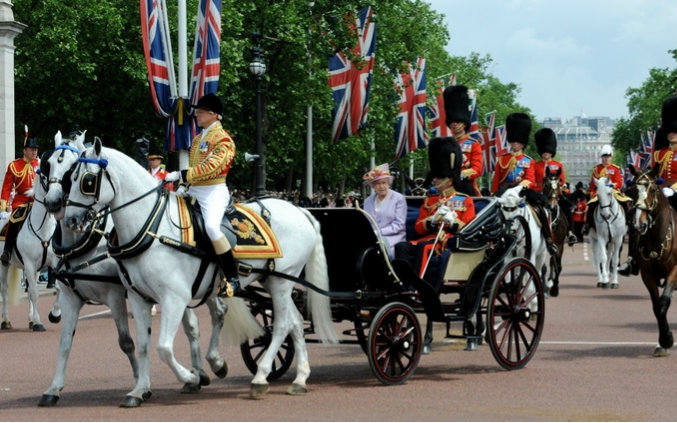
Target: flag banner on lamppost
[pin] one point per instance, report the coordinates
(350, 84)
(410, 130)
(437, 123)
(181, 126)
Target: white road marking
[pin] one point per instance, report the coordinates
(597, 343)
(100, 313)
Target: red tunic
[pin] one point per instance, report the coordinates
(160, 175)
(539, 173)
(580, 211)
(19, 176)
(668, 170)
(472, 160)
(613, 172)
(512, 169)
(456, 201)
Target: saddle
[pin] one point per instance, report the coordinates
(248, 233)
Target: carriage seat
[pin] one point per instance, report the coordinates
(485, 227)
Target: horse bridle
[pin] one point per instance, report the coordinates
(90, 185)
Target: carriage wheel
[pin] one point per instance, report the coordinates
(253, 350)
(520, 227)
(515, 314)
(394, 347)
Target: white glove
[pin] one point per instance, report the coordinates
(173, 176)
(668, 192)
(441, 211)
(182, 191)
(449, 218)
(4, 215)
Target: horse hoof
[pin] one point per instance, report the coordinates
(222, 372)
(258, 390)
(426, 349)
(554, 291)
(190, 388)
(666, 341)
(204, 379)
(39, 327)
(48, 400)
(660, 352)
(614, 285)
(53, 318)
(30, 325)
(131, 402)
(296, 389)
(600, 284)
(6, 325)
(146, 395)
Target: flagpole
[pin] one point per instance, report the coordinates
(309, 123)
(183, 68)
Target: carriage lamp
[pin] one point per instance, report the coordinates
(257, 67)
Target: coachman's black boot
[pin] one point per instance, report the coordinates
(229, 267)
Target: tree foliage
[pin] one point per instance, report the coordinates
(644, 106)
(81, 63)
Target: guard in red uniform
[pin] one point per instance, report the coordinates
(448, 211)
(18, 178)
(667, 154)
(156, 168)
(457, 109)
(546, 143)
(516, 168)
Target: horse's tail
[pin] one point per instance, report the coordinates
(14, 285)
(239, 323)
(317, 273)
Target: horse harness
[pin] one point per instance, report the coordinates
(650, 209)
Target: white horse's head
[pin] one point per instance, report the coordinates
(511, 201)
(56, 166)
(91, 188)
(605, 192)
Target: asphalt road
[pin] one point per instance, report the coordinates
(594, 363)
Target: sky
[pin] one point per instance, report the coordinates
(569, 57)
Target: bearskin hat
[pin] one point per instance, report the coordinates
(669, 115)
(456, 104)
(31, 142)
(445, 158)
(546, 141)
(518, 127)
(660, 140)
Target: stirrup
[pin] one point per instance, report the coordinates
(228, 289)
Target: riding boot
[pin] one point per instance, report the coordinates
(630, 267)
(566, 206)
(10, 241)
(231, 285)
(547, 233)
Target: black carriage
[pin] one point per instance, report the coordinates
(489, 291)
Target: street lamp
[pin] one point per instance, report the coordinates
(257, 67)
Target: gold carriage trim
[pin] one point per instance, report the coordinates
(187, 234)
(255, 238)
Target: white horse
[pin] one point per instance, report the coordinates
(106, 176)
(31, 253)
(87, 278)
(512, 205)
(606, 236)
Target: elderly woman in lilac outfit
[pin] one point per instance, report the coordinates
(388, 207)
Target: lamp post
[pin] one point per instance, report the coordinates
(257, 67)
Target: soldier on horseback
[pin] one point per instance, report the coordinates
(666, 150)
(211, 155)
(615, 176)
(546, 143)
(516, 168)
(19, 177)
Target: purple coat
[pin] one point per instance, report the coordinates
(391, 217)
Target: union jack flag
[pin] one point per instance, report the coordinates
(350, 84)
(501, 143)
(474, 131)
(206, 61)
(410, 132)
(437, 123)
(647, 147)
(489, 135)
(158, 52)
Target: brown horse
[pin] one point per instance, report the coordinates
(558, 223)
(656, 223)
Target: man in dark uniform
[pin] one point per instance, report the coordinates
(18, 178)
